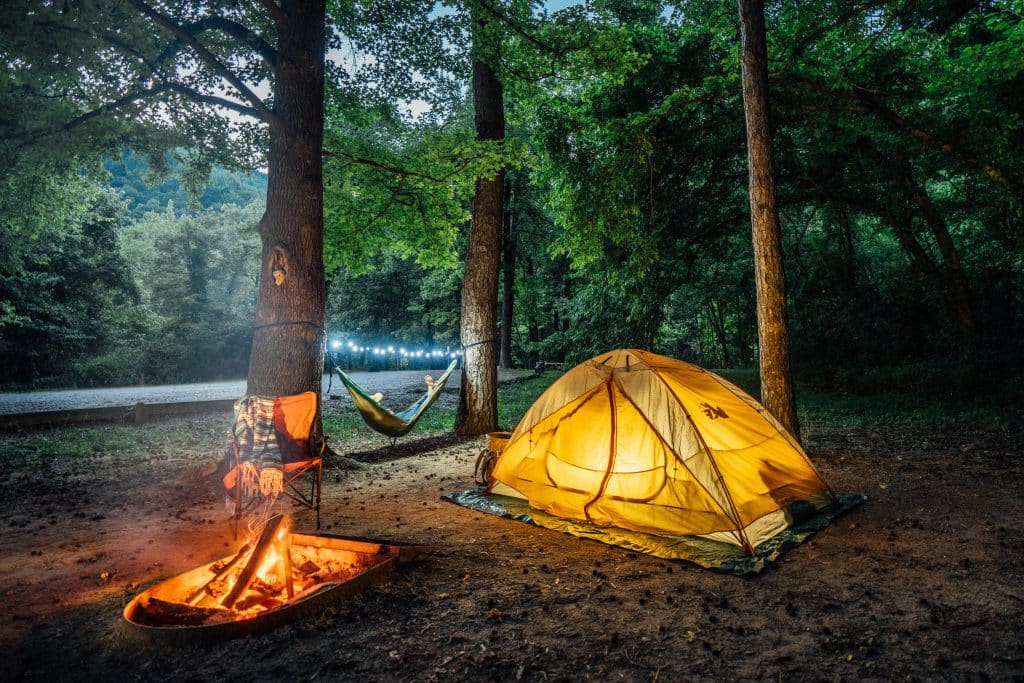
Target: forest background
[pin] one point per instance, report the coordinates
(900, 153)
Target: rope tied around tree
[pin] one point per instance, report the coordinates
(285, 323)
(478, 343)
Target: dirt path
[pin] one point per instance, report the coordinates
(923, 582)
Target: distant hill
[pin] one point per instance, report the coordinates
(128, 175)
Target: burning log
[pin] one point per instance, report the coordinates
(254, 581)
(157, 612)
(308, 568)
(259, 553)
(198, 593)
(286, 559)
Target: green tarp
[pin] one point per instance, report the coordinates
(701, 551)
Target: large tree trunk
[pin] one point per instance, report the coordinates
(288, 339)
(478, 401)
(508, 283)
(772, 330)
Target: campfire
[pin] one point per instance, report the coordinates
(274, 572)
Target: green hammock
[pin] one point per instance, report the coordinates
(383, 420)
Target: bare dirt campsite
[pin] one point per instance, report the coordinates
(823, 200)
(922, 582)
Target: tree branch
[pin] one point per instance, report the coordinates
(395, 170)
(275, 11)
(110, 38)
(800, 45)
(519, 30)
(238, 32)
(875, 106)
(208, 58)
(372, 163)
(29, 137)
(898, 121)
(157, 68)
(213, 100)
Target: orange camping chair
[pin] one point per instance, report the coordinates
(302, 447)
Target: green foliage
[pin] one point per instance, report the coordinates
(146, 192)
(88, 298)
(645, 177)
(62, 276)
(195, 276)
(83, 77)
(395, 299)
(515, 398)
(400, 188)
(968, 395)
(627, 184)
(861, 95)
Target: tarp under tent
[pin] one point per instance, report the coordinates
(640, 442)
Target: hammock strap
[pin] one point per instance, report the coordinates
(485, 341)
(283, 323)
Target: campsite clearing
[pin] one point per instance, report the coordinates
(922, 582)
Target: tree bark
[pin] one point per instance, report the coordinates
(508, 271)
(288, 336)
(777, 393)
(478, 401)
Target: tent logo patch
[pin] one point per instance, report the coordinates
(713, 412)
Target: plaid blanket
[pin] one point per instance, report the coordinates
(254, 432)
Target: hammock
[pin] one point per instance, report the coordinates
(383, 420)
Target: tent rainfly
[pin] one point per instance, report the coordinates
(645, 442)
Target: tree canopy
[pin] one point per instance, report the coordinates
(898, 135)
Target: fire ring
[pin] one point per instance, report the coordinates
(207, 603)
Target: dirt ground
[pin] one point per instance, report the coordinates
(923, 582)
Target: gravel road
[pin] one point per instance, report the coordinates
(70, 399)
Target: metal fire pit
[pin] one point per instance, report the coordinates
(373, 562)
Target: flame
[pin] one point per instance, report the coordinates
(266, 585)
(266, 572)
(263, 575)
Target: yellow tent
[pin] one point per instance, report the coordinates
(644, 442)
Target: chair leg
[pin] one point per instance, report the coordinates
(238, 495)
(318, 484)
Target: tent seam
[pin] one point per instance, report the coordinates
(611, 454)
(732, 505)
(735, 519)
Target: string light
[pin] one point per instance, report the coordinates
(400, 354)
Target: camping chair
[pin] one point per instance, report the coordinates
(383, 420)
(302, 446)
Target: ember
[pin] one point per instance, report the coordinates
(275, 571)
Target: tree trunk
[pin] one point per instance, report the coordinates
(508, 268)
(478, 401)
(950, 280)
(772, 330)
(957, 290)
(717, 322)
(288, 336)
